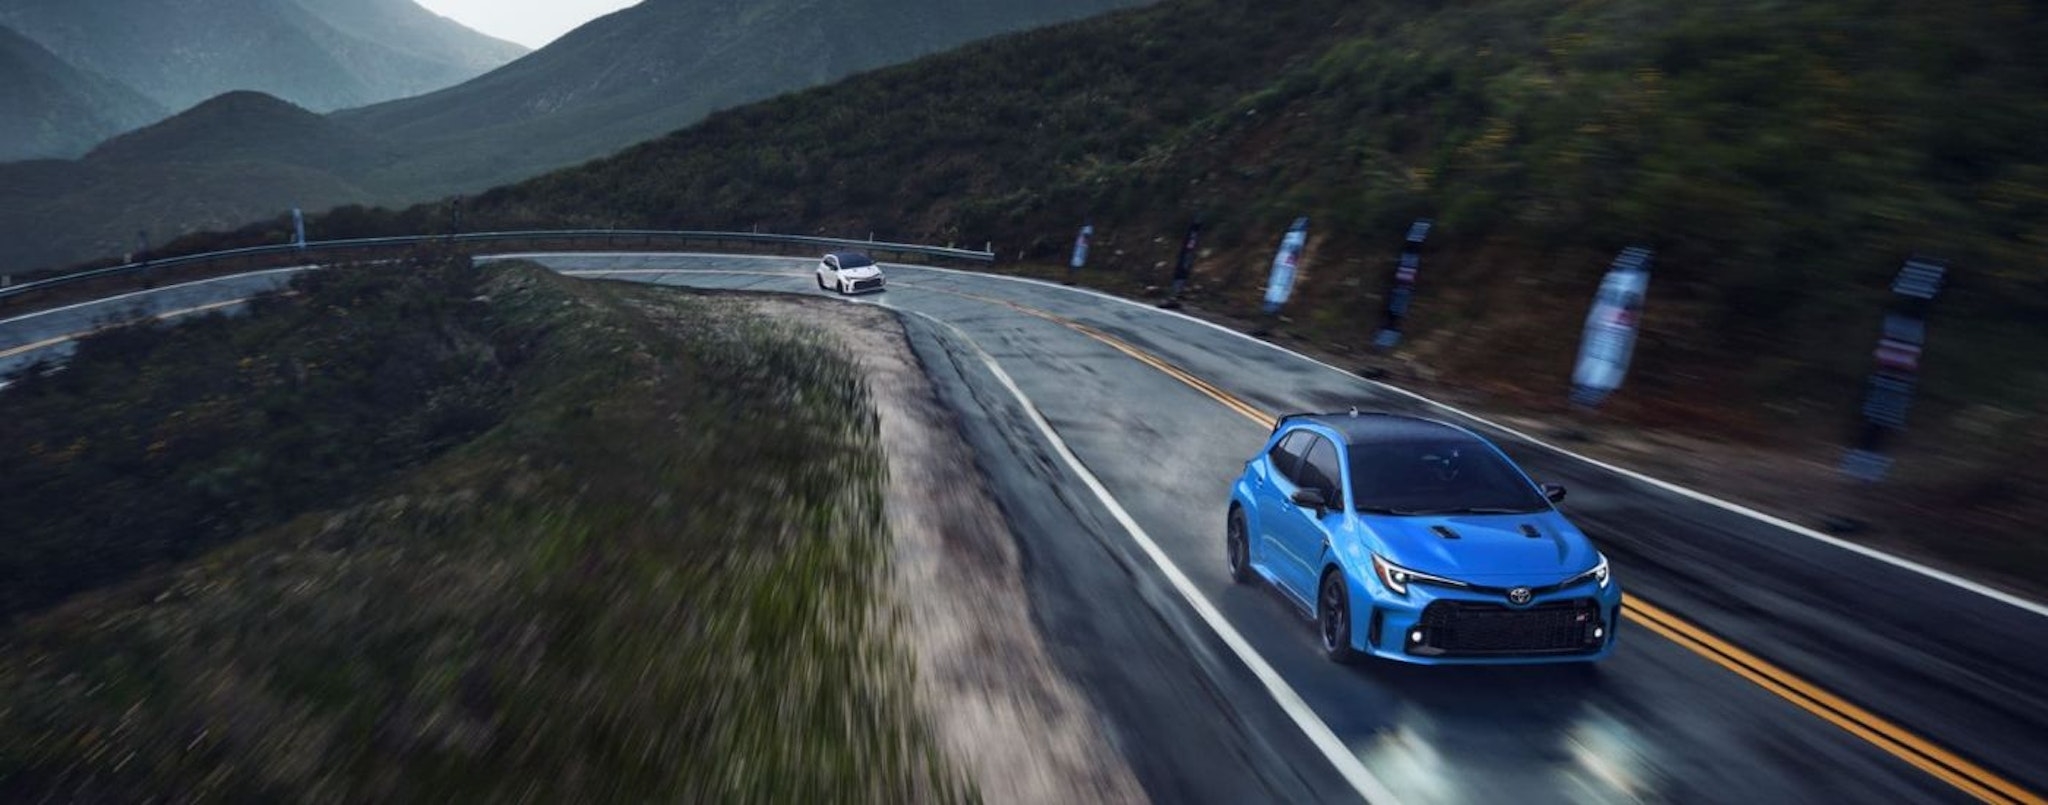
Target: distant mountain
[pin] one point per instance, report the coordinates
(230, 160)
(623, 79)
(49, 108)
(246, 127)
(664, 64)
(321, 54)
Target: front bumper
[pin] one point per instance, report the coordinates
(1447, 626)
(865, 285)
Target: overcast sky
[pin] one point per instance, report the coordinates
(532, 23)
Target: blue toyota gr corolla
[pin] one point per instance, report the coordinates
(1418, 541)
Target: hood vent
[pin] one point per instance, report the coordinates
(1531, 532)
(1444, 532)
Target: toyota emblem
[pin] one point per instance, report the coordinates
(1520, 595)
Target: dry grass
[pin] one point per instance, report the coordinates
(653, 581)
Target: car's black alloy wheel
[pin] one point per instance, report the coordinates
(1333, 617)
(1239, 549)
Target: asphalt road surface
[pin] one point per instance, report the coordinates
(47, 335)
(1759, 663)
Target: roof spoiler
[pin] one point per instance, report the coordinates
(1285, 418)
(1282, 421)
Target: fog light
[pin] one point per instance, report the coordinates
(1599, 633)
(1415, 636)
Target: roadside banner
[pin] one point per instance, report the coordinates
(1185, 266)
(1401, 292)
(1081, 247)
(298, 227)
(1610, 337)
(1890, 391)
(1286, 265)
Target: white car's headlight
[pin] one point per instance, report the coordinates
(1598, 573)
(1397, 578)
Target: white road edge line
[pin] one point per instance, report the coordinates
(1353, 770)
(1903, 563)
(1977, 587)
(151, 291)
(72, 338)
(1952, 579)
(1969, 585)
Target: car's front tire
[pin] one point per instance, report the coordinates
(1237, 547)
(1333, 618)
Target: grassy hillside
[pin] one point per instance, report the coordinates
(663, 64)
(622, 79)
(313, 580)
(1784, 160)
(240, 156)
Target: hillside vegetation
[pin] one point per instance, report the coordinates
(621, 79)
(422, 533)
(1783, 159)
(664, 64)
(240, 156)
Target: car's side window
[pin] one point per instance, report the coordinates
(1286, 455)
(1319, 471)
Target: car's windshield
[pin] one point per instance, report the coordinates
(1444, 476)
(854, 261)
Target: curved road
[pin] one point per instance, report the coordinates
(1760, 662)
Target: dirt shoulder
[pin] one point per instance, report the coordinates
(611, 594)
(996, 701)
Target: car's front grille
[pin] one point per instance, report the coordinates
(867, 284)
(1475, 628)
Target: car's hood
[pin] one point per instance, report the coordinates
(1489, 549)
(864, 272)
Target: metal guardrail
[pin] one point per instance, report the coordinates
(489, 237)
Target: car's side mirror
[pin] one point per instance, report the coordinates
(1554, 492)
(1311, 499)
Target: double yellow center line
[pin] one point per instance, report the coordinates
(1968, 777)
(1923, 754)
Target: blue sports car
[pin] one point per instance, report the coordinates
(1419, 541)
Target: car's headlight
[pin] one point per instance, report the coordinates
(1598, 573)
(1397, 578)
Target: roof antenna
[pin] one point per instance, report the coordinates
(1354, 411)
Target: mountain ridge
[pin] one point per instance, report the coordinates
(612, 83)
(321, 54)
(240, 156)
(50, 108)
(653, 68)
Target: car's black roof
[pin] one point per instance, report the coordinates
(1379, 427)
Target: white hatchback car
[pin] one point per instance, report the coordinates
(849, 272)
